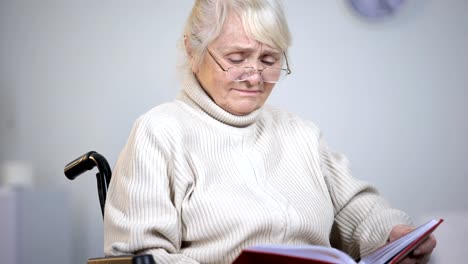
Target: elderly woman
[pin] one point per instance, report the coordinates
(216, 170)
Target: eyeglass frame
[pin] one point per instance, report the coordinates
(288, 70)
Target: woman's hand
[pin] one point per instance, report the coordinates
(422, 253)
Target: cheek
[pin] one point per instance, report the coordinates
(221, 86)
(216, 86)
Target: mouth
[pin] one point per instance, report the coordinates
(248, 92)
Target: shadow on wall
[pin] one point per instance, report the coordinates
(13, 169)
(7, 123)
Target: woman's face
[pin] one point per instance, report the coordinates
(234, 48)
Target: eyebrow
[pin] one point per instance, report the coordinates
(249, 49)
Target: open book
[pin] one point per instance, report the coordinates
(308, 254)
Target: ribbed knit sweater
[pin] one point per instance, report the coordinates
(196, 184)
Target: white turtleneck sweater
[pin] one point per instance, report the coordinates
(196, 184)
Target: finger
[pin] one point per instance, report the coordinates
(412, 259)
(399, 230)
(408, 260)
(426, 247)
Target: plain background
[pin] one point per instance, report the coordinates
(390, 94)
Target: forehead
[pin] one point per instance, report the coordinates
(234, 37)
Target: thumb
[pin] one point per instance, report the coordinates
(399, 231)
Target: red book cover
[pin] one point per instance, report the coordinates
(312, 254)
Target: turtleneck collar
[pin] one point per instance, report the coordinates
(194, 93)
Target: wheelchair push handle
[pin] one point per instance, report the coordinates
(87, 162)
(79, 166)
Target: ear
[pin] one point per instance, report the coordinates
(190, 56)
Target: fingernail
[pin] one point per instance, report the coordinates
(417, 252)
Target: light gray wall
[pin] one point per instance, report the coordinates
(390, 94)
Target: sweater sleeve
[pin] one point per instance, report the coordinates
(141, 215)
(363, 218)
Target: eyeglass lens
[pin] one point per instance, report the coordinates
(268, 75)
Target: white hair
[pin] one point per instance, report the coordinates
(263, 20)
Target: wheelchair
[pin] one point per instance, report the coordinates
(87, 162)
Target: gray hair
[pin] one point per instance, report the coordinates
(263, 20)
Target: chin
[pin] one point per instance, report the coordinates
(243, 111)
(245, 107)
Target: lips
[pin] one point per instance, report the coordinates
(247, 91)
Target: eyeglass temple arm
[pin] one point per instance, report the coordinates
(287, 63)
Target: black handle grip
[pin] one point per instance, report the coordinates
(79, 165)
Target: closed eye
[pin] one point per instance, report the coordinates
(268, 63)
(239, 59)
(269, 60)
(236, 58)
(236, 61)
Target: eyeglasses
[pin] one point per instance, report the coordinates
(240, 74)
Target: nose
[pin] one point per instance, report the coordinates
(255, 78)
